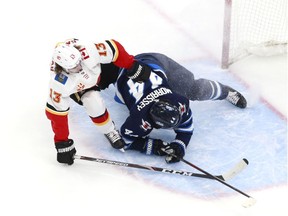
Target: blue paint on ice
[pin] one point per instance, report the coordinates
(223, 136)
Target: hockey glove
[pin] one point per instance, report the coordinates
(65, 151)
(148, 146)
(175, 151)
(139, 72)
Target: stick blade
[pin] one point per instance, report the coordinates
(236, 169)
(249, 202)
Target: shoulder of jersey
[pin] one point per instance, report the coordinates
(90, 55)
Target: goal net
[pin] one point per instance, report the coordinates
(256, 27)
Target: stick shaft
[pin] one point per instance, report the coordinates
(151, 168)
(214, 177)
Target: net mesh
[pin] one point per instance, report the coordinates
(258, 27)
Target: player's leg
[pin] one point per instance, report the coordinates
(96, 109)
(182, 81)
(203, 89)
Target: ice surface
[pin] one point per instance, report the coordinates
(33, 183)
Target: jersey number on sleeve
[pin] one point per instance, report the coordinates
(55, 96)
(101, 49)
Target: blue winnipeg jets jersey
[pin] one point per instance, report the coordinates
(139, 97)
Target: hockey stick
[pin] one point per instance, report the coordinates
(230, 174)
(249, 202)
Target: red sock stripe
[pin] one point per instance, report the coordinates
(100, 120)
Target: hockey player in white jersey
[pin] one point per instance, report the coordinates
(76, 72)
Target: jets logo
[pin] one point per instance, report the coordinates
(182, 108)
(145, 125)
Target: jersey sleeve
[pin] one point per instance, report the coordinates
(120, 56)
(135, 127)
(185, 129)
(56, 110)
(59, 123)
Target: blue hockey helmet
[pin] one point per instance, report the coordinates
(165, 114)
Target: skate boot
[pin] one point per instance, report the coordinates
(236, 98)
(115, 139)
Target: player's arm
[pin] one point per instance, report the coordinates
(57, 112)
(137, 71)
(143, 144)
(135, 131)
(59, 122)
(121, 57)
(184, 132)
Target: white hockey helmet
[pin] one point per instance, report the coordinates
(66, 56)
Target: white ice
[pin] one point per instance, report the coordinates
(33, 183)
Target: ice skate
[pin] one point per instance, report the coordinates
(236, 98)
(115, 139)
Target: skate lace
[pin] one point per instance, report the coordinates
(113, 136)
(233, 97)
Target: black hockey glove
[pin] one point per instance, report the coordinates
(65, 151)
(148, 146)
(175, 151)
(139, 72)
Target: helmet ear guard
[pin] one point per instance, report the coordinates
(66, 56)
(165, 114)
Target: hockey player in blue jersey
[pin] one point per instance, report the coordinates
(160, 99)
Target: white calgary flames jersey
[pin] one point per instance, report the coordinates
(64, 84)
